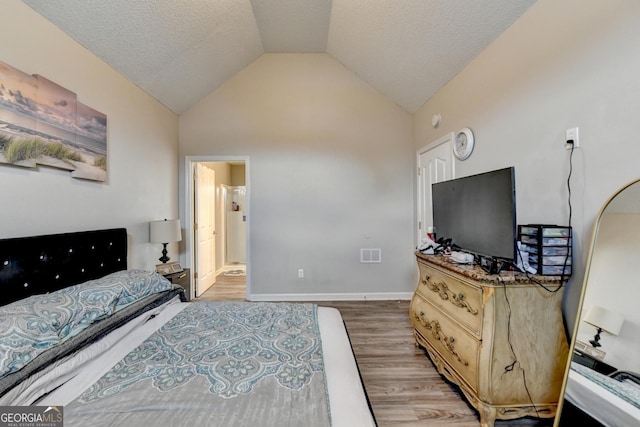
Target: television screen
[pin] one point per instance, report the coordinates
(478, 213)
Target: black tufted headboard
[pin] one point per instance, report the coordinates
(40, 264)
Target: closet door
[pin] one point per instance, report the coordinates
(435, 164)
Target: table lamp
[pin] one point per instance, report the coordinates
(603, 320)
(165, 232)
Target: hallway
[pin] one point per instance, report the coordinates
(226, 288)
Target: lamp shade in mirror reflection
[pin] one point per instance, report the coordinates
(596, 389)
(603, 320)
(165, 232)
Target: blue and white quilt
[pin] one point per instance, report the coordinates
(217, 364)
(626, 390)
(30, 327)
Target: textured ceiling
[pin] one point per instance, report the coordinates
(179, 51)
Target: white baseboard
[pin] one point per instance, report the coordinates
(382, 296)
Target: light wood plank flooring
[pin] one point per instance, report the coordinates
(402, 384)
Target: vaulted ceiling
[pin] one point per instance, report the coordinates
(179, 51)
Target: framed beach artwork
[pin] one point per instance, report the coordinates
(42, 123)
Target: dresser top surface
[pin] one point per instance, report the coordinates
(475, 272)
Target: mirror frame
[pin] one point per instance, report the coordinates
(574, 333)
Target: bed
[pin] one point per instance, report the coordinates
(611, 400)
(118, 346)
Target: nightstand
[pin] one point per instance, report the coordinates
(593, 363)
(183, 279)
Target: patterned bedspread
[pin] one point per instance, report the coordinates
(626, 390)
(225, 364)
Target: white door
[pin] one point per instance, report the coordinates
(435, 164)
(205, 232)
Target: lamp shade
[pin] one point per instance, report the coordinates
(166, 231)
(604, 319)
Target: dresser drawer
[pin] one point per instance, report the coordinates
(458, 349)
(458, 299)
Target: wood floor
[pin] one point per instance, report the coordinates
(403, 386)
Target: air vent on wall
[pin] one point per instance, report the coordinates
(369, 255)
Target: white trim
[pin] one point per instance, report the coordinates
(434, 144)
(380, 296)
(189, 214)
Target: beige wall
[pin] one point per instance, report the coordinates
(141, 146)
(563, 64)
(330, 172)
(238, 175)
(332, 162)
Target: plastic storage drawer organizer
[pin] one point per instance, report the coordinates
(549, 248)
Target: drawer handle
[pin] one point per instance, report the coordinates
(436, 331)
(446, 294)
(449, 344)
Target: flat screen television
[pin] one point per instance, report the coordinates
(478, 213)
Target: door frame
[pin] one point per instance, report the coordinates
(189, 201)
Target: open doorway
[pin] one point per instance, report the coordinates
(225, 205)
(235, 228)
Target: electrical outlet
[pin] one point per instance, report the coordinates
(572, 135)
(300, 274)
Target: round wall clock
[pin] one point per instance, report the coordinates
(463, 143)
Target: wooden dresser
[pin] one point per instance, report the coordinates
(500, 338)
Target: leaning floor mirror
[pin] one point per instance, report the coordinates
(602, 385)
